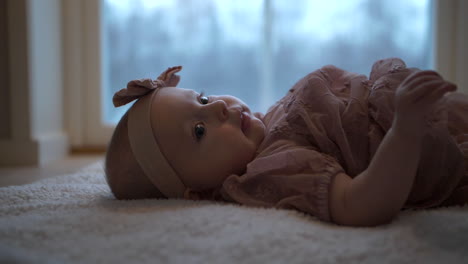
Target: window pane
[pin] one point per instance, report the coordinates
(349, 34)
(255, 49)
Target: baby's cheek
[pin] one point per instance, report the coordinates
(258, 131)
(229, 130)
(232, 139)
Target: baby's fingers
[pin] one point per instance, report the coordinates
(438, 92)
(420, 86)
(424, 90)
(419, 76)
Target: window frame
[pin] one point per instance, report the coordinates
(84, 74)
(83, 67)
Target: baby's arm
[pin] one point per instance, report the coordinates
(376, 195)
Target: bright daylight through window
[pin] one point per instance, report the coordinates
(256, 49)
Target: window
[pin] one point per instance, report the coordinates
(255, 49)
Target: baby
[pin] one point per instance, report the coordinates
(347, 149)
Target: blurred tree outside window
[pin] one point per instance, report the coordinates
(256, 49)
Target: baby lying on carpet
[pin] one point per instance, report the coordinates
(344, 148)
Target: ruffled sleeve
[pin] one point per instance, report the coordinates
(286, 176)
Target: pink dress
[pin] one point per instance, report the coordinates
(333, 121)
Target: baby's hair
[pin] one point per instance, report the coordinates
(123, 173)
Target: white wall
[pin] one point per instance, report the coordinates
(35, 129)
(451, 41)
(45, 67)
(4, 76)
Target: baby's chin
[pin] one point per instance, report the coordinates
(241, 167)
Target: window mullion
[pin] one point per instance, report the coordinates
(266, 68)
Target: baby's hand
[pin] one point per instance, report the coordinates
(416, 96)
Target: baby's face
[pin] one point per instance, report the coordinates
(205, 138)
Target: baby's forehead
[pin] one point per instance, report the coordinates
(172, 100)
(175, 92)
(172, 121)
(172, 112)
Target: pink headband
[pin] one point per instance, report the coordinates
(144, 145)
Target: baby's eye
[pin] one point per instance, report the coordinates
(203, 99)
(199, 131)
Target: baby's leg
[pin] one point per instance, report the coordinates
(460, 194)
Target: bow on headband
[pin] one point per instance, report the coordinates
(138, 88)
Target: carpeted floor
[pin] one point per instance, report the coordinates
(75, 219)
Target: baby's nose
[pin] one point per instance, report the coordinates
(221, 110)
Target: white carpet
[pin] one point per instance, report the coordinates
(74, 219)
